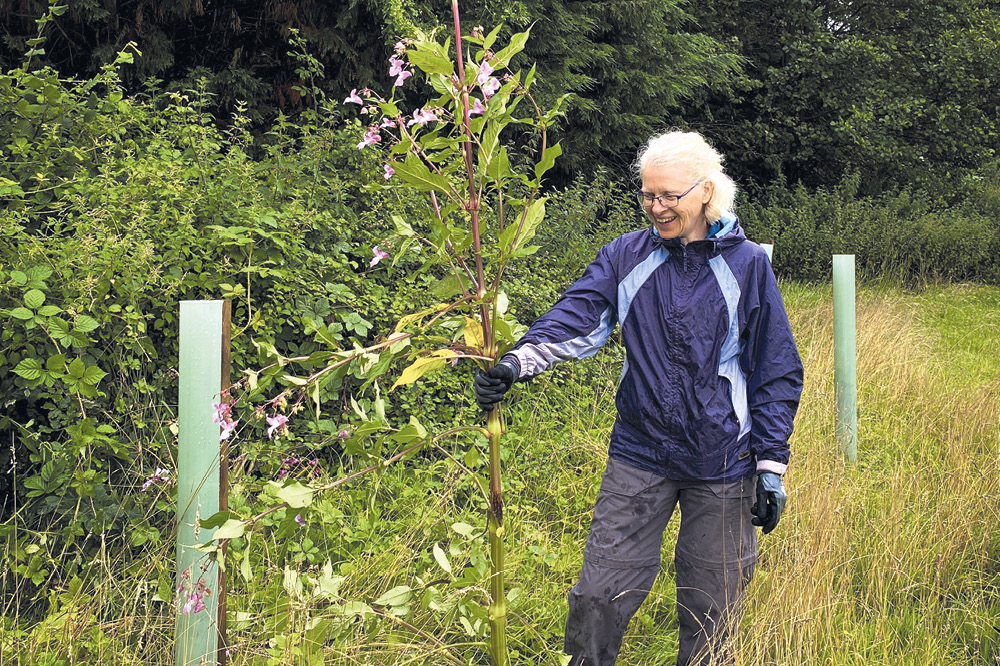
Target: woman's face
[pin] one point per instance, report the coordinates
(684, 219)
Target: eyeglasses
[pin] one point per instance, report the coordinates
(667, 200)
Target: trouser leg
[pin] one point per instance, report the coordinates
(620, 561)
(715, 556)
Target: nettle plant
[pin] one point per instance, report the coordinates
(482, 212)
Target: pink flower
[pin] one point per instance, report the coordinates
(402, 77)
(227, 429)
(422, 117)
(396, 67)
(389, 172)
(300, 520)
(379, 256)
(371, 137)
(484, 72)
(159, 475)
(353, 98)
(275, 422)
(343, 434)
(387, 123)
(223, 411)
(400, 46)
(477, 107)
(491, 87)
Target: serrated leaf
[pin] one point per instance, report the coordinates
(516, 45)
(430, 62)
(38, 273)
(474, 333)
(414, 172)
(397, 596)
(423, 365)
(296, 495)
(85, 324)
(441, 558)
(18, 278)
(55, 363)
(510, 239)
(22, 313)
(34, 299)
(29, 368)
(93, 375)
(49, 310)
(77, 368)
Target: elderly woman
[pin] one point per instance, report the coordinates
(706, 402)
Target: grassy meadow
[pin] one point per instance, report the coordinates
(893, 560)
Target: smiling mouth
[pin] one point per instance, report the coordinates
(667, 220)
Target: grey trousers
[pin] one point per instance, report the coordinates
(714, 557)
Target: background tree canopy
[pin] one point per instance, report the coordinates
(801, 90)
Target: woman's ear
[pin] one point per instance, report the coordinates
(708, 192)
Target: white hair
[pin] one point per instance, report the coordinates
(701, 161)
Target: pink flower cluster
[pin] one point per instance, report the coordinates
(224, 417)
(276, 423)
(159, 475)
(287, 464)
(193, 600)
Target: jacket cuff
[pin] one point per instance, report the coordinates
(515, 365)
(771, 466)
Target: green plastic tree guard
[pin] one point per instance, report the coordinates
(769, 249)
(845, 355)
(201, 329)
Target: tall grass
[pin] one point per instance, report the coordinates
(894, 560)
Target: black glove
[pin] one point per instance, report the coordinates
(770, 502)
(492, 384)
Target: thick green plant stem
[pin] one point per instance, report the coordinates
(495, 525)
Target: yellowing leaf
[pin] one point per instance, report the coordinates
(473, 333)
(423, 365)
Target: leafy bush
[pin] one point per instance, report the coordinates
(908, 236)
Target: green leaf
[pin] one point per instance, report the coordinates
(492, 37)
(29, 368)
(77, 368)
(403, 228)
(22, 313)
(516, 45)
(55, 363)
(232, 529)
(498, 169)
(296, 495)
(34, 299)
(397, 596)
(548, 159)
(441, 558)
(85, 324)
(93, 375)
(511, 240)
(49, 310)
(464, 529)
(18, 278)
(414, 172)
(431, 63)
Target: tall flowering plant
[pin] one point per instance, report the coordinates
(451, 148)
(482, 214)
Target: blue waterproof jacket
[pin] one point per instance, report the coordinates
(712, 377)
